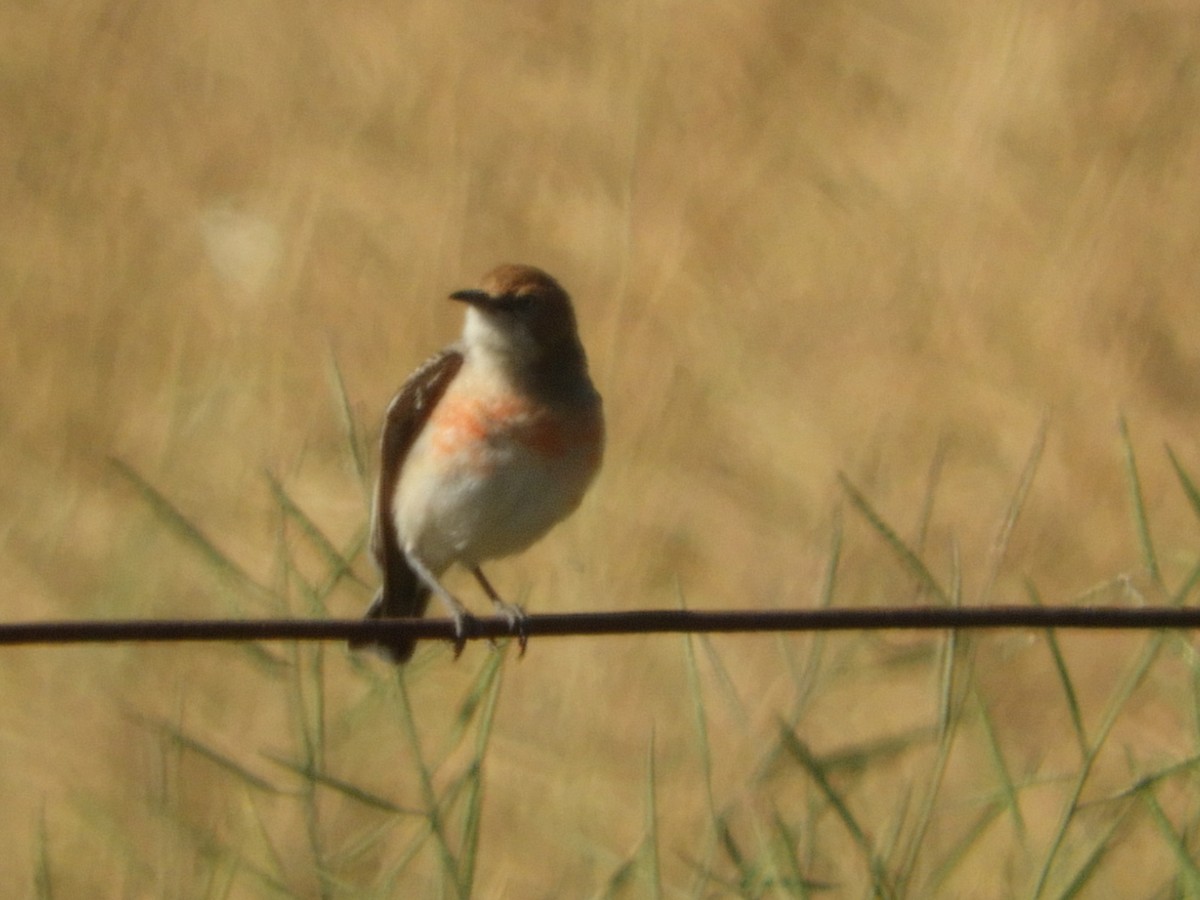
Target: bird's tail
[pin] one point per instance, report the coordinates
(402, 596)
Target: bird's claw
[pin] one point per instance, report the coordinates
(465, 627)
(516, 618)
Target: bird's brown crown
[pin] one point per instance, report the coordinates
(527, 295)
(518, 281)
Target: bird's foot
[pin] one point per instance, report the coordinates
(465, 626)
(515, 615)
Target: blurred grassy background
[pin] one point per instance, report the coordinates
(803, 238)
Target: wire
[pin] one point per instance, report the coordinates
(600, 623)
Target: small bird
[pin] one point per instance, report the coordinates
(487, 446)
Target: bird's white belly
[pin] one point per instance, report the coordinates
(492, 495)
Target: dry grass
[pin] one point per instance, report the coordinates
(803, 237)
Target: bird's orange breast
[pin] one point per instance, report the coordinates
(473, 425)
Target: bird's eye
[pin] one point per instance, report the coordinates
(515, 302)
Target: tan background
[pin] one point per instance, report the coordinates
(803, 238)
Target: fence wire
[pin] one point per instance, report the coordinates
(651, 621)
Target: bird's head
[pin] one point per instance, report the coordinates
(519, 315)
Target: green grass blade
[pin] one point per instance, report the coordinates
(770, 878)
(183, 527)
(475, 700)
(338, 565)
(947, 704)
(1125, 689)
(473, 820)
(312, 670)
(1092, 863)
(1189, 486)
(365, 840)
(788, 842)
(910, 560)
(1003, 538)
(306, 697)
(1148, 781)
(43, 883)
(186, 742)
(800, 752)
(895, 833)
(433, 814)
(1185, 589)
(805, 678)
(947, 729)
(853, 758)
(651, 846)
(345, 788)
(213, 848)
(829, 581)
(728, 689)
(621, 878)
(269, 842)
(220, 881)
(700, 721)
(806, 683)
(353, 549)
(1008, 789)
(1140, 520)
(932, 478)
(960, 852)
(406, 858)
(1194, 672)
(747, 884)
(860, 757)
(1064, 676)
(1188, 871)
(349, 424)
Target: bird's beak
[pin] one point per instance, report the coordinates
(473, 297)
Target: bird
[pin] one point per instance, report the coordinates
(487, 445)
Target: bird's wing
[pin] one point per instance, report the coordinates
(406, 416)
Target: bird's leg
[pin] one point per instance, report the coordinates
(513, 614)
(454, 606)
